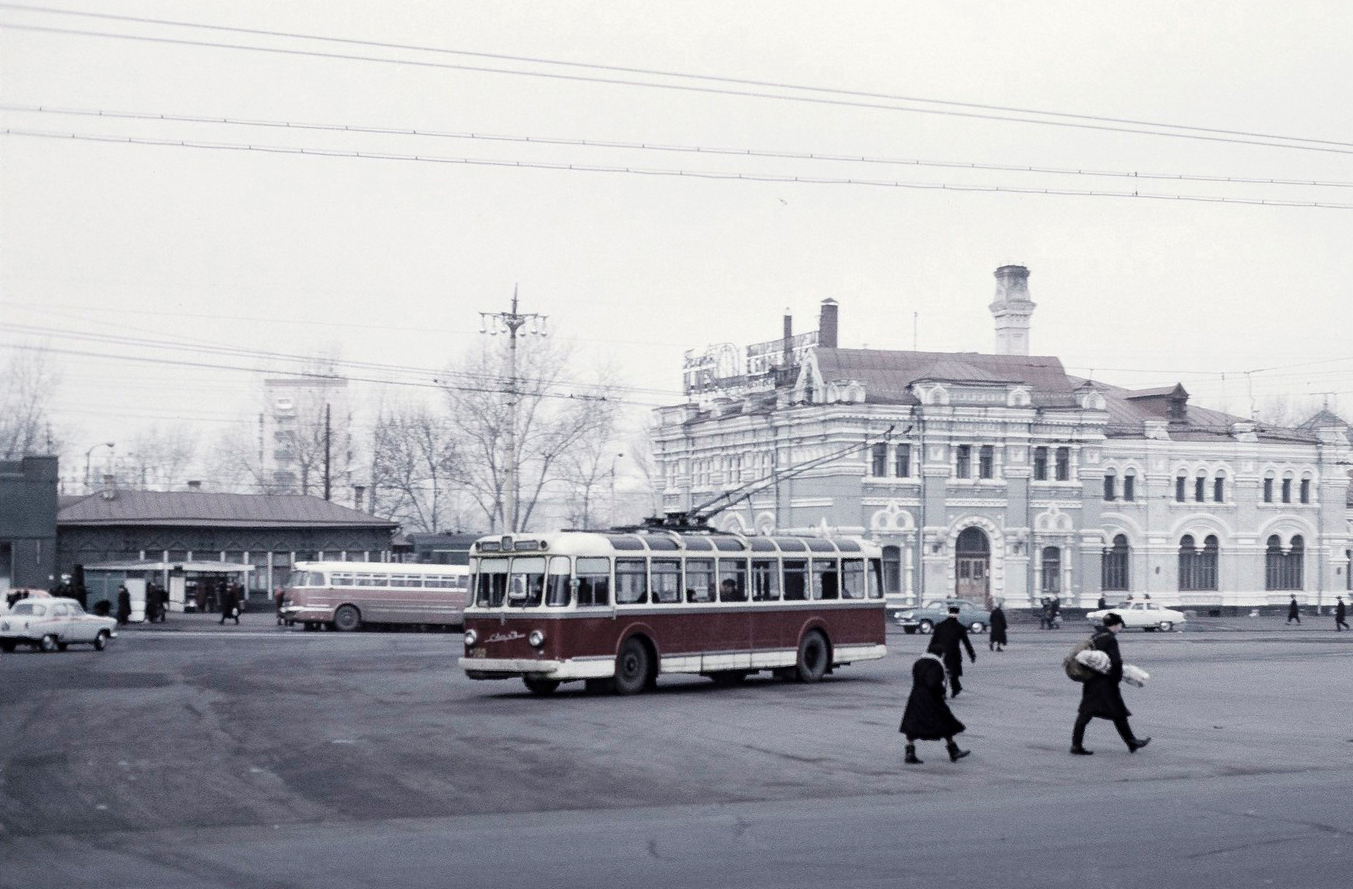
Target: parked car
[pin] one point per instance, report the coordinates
(53, 623)
(1145, 615)
(923, 619)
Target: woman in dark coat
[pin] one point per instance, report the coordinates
(996, 641)
(230, 603)
(124, 606)
(1101, 694)
(928, 717)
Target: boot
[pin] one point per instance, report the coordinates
(1078, 750)
(911, 759)
(1137, 744)
(954, 753)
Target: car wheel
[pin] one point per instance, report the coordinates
(539, 686)
(925, 626)
(976, 627)
(47, 643)
(631, 667)
(101, 640)
(347, 618)
(813, 657)
(1166, 626)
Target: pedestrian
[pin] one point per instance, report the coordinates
(1340, 616)
(230, 608)
(152, 604)
(928, 717)
(996, 640)
(1043, 613)
(124, 605)
(1101, 694)
(949, 634)
(1294, 612)
(1102, 604)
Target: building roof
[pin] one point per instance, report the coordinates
(1129, 409)
(887, 375)
(198, 508)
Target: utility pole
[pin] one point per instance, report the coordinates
(494, 323)
(326, 451)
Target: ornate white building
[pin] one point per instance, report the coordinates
(1003, 476)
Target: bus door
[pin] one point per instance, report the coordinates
(730, 629)
(769, 629)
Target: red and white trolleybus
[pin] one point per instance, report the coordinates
(616, 609)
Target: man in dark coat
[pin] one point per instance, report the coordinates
(124, 606)
(927, 716)
(996, 638)
(949, 633)
(1101, 695)
(230, 604)
(1293, 611)
(1340, 616)
(152, 603)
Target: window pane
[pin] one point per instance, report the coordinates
(699, 580)
(826, 579)
(631, 581)
(666, 577)
(796, 579)
(765, 580)
(1129, 487)
(732, 580)
(492, 582)
(594, 582)
(852, 579)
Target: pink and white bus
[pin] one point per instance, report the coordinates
(347, 595)
(617, 609)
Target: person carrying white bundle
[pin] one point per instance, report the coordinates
(1100, 693)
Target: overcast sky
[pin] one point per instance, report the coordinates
(389, 261)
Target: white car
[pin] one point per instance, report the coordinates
(1145, 615)
(52, 624)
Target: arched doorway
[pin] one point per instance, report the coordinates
(973, 569)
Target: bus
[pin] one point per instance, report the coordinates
(348, 595)
(616, 609)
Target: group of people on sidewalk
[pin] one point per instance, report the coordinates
(928, 717)
(1340, 614)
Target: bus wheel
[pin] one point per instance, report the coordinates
(813, 657)
(539, 686)
(347, 618)
(631, 667)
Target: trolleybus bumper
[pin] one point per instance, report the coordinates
(507, 668)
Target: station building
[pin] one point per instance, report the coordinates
(1002, 476)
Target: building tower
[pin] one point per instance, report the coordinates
(1012, 309)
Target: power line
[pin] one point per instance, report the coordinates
(651, 147)
(685, 174)
(652, 72)
(1194, 133)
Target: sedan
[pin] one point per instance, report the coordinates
(53, 624)
(1144, 615)
(923, 620)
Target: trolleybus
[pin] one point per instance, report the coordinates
(346, 595)
(616, 609)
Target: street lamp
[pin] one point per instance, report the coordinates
(102, 444)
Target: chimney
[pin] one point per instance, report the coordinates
(826, 325)
(109, 486)
(788, 348)
(1012, 309)
(358, 492)
(194, 485)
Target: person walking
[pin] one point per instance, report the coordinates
(1340, 616)
(124, 605)
(928, 717)
(1294, 612)
(1101, 694)
(230, 607)
(997, 637)
(152, 604)
(1102, 604)
(949, 634)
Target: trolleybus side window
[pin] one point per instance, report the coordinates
(631, 581)
(594, 582)
(732, 579)
(666, 578)
(796, 579)
(852, 578)
(526, 588)
(492, 583)
(368, 580)
(765, 580)
(557, 582)
(699, 580)
(826, 582)
(340, 579)
(876, 578)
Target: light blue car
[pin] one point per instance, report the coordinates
(976, 618)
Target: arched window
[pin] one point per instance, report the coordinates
(892, 570)
(1305, 490)
(1268, 488)
(1199, 488)
(879, 463)
(1219, 489)
(1180, 484)
(972, 541)
(1283, 570)
(1114, 574)
(1129, 485)
(1287, 489)
(1110, 486)
(1052, 570)
(1198, 568)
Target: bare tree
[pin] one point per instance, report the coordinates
(237, 463)
(1286, 410)
(27, 385)
(416, 469)
(160, 457)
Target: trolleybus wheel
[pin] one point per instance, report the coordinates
(347, 618)
(813, 657)
(631, 667)
(539, 686)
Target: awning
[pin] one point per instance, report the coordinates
(188, 567)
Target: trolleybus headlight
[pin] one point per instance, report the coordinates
(536, 638)
(471, 637)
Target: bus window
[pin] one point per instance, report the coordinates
(732, 580)
(875, 579)
(796, 579)
(699, 580)
(373, 580)
(557, 582)
(826, 583)
(526, 588)
(852, 578)
(492, 583)
(765, 580)
(594, 582)
(666, 577)
(340, 579)
(631, 581)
